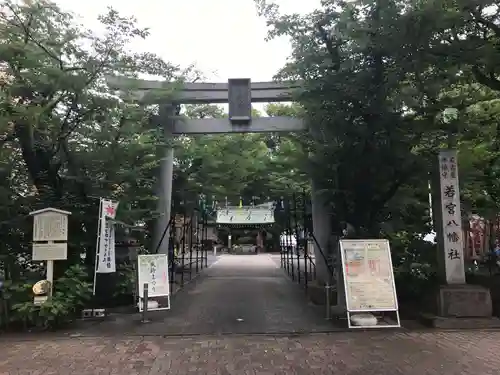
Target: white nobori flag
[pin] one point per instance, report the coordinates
(106, 245)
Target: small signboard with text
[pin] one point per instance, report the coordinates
(153, 270)
(49, 251)
(368, 277)
(245, 215)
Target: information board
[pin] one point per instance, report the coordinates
(50, 226)
(368, 276)
(153, 270)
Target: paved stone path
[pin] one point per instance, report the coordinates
(360, 353)
(239, 294)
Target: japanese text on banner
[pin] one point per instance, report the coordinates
(452, 218)
(152, 275)
(107, 261)
(106, 245)
(153, 270)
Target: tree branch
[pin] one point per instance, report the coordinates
(489, 80)
(333, 50)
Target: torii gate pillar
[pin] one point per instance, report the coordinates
(161, 234)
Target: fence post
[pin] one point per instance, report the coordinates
(295, 232)
(199, 242)
(289, 237)
(305, 238)
(145, 300)
(172, 254)
(328, 294)
(282, 255)
(183, 245)
(190, 244)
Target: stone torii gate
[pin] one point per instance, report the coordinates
(239, 93)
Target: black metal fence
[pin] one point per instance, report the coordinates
(297, 241)
(296, 257)
(297, 261)
(188, 247)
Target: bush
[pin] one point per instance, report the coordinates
(125, 280)
(70, 293)
(414, 261)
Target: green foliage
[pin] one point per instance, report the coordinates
(366, 124)
(126, 280)
(376, 76)
(67, 139)
(234, 165)
(373, 91)
(71, 292)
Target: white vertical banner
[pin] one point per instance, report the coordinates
(106, 245)
(451, 217)
(107, 260)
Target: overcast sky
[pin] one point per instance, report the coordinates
(224, 38)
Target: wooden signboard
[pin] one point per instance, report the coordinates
(50, 251)
(368, 277)
(50, 224)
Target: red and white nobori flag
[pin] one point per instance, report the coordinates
(106, 259)
(109, 209)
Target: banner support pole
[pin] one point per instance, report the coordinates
(98, 241)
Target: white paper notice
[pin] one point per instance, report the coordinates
(153, 270)
(368, 275)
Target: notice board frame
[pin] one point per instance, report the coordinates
(140, 283)
(349, 312)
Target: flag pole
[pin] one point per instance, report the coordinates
(98, 242)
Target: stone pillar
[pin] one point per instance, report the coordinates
(260, 240)
(455, 298)
(451, 254)
(164, 193)
(321, 221)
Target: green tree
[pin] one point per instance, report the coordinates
(237, 165)
(288, 154)
(460, 34)
(366, 122)
(67, 139)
